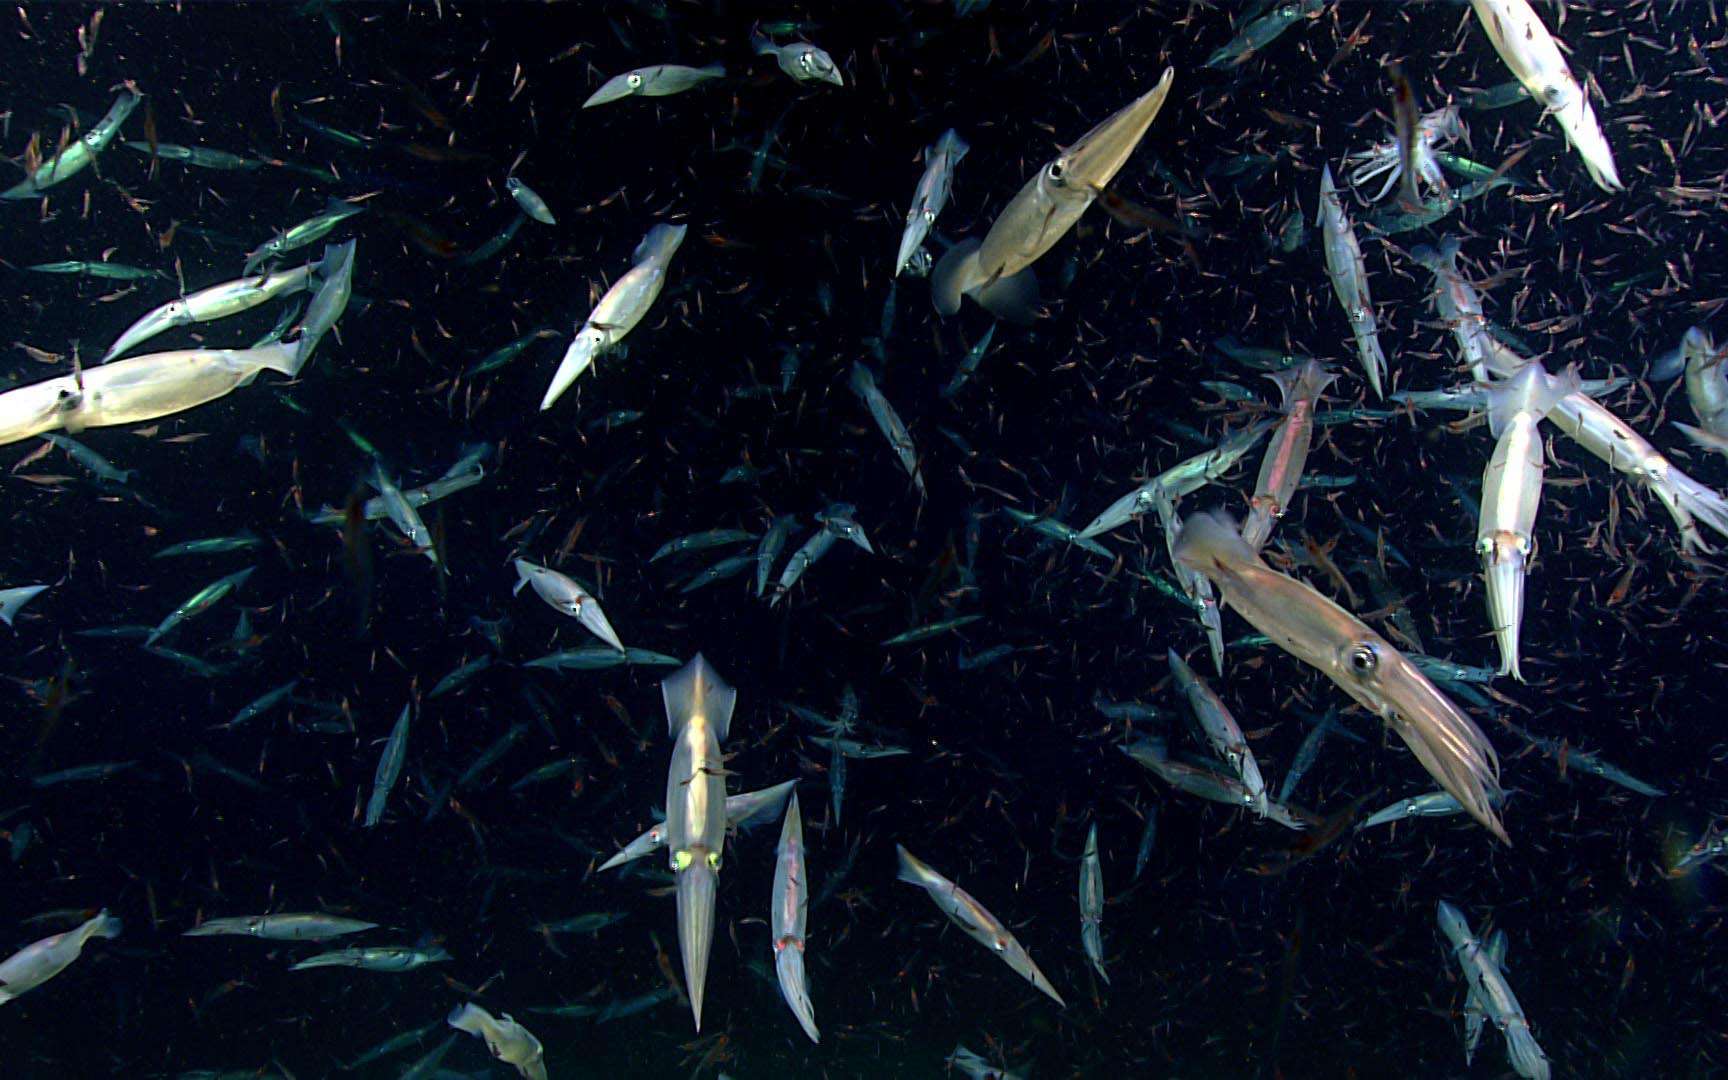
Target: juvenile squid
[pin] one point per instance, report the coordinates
(40, 961)
(931, 194)
(1222, 732)
(216, 302)
(1492, 994)
(564, 594)
(1350, 281)
(1364, 665)
(1287, 453)
(656, 81)
(505, 1039)
(81, 153)
(791, 907)
(742, 811)
(1092, 903)
(1194, 586)
(972, 917)
(1458, 303)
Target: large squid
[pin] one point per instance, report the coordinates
(1364, 665)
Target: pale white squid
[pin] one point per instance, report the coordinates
(1511, 492)
(1387, 158)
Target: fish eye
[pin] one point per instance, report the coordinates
(634, 80)
(1363, 658)
(1055, 172)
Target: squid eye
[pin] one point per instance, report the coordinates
(635, 81)
(681, 860)
(713, 860)
(999, 945)
(1363, 658)
(1055, 172)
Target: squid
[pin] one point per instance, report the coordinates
(1491, 994)
(1362, 663)
(972, 917)
(1511, 491)
(995, 272)
(1533, 56)
(931, 194)
(699, 707)
(1387, 158)
(618, 312)
(1350, 281)
(788, 917)
(1287, 453)
(659, 80)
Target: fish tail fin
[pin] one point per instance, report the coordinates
(953, 275)
(1013, 298)
(696, 688)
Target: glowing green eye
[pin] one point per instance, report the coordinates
(713, 860)
(681, 860)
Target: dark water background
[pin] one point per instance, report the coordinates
(1616, 964)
